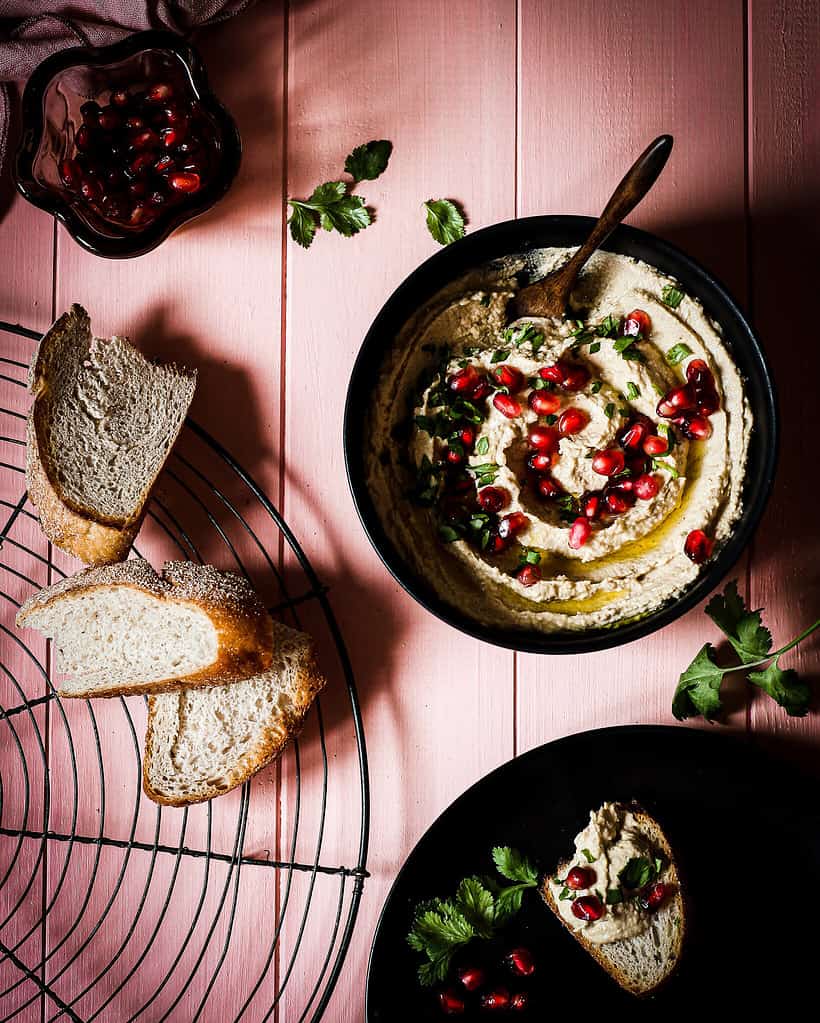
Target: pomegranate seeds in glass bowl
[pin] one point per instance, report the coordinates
(125, 143)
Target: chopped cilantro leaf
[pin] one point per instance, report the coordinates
(671, 296)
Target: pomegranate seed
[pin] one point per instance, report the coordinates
(497, 544)
(633, 436)
(698, 546)
(467, 436)
(646, 487)
(90, 112)
(521, 963)
(548, 488)
(544, 438)
(450, 1002)
(506, 405)
(174, 135)
(115, 179)
(591, 506)
(164, 164)
(91, 189)
(115, 207)
(575, 378)
(472, 977)
(609, 462)
(679, 399)
(708, 401)
(493, 499)
(579, 532)
(698, 428)
(138, 189)
(134, 123)
(588, 907)
(544, 403)
(637, 322)
(496, 1000)
(144, 138)
(616, 502)
(580, 877)
(654, 446)
(638, 465)
(109, 119)
(554, 373)
(539, 463)
(159, 93)
(481, 389)
(509, 376)
(454, 457)
(698, 372)
(519, 1002)
(82, 139)
(464, 380)
(142, 163)
(119, 98)
(140, 214)
(572, 421)
(184, 182)
(511, 525)
(175, 115)
(157, 198)
(70, 173)
(189, 146)
(528, 575)
(654, 896)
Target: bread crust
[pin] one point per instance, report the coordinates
(280, 731)
(659, 839)
(243, 626)
(93, 539)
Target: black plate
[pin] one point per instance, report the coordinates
(746, 830)
(513, 238)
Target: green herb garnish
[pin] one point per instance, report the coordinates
(677, 353)
(632, 391)
(331, 207)
(588, 856)
(368, 161)
(609, 410)
(499, 355)
(483, 446)
(637, 873)
(445, 221)
(596, 386)
(698, 690)
(671, 296)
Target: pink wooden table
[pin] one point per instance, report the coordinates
(513, 107)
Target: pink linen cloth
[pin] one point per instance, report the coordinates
(30, 31)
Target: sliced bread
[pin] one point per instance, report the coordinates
(103, 422)
(122, 629)
(201, 743)
(641, 963)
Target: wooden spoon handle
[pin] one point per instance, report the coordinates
(637, 181)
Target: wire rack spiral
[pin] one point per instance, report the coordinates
(112, 908)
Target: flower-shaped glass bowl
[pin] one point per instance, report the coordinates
(102, 220)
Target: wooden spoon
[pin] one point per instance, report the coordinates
(548, 297)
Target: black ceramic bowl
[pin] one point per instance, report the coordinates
(52, 117)
(512, 238)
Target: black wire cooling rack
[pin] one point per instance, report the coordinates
(112, 908)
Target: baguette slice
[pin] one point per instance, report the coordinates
(122, 629)
(642, 964)
(103, 422)
(201, 743)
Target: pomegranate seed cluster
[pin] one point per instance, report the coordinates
(492, 985)
(470, 504)
(146, 149)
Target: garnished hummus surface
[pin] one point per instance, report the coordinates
(614, 855)
(560, 475)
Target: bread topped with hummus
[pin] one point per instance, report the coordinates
(619, 895)
(560, 474)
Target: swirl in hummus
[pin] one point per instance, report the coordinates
(560, 475)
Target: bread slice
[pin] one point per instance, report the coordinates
(103, 422)
(122, 629)
(202, 743)
(640, 964)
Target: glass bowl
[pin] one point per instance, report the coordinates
(165, 150)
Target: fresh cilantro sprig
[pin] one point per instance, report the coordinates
(369, 161)
(478, 909)
(331, 205)
(445, 221)
(698, 690)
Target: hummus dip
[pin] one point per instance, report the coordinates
(560, 475)
(615, 855)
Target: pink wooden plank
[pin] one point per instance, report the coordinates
(437, 705)
(598, 82)
(26, 241)
(208, 297)
(784, 171)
